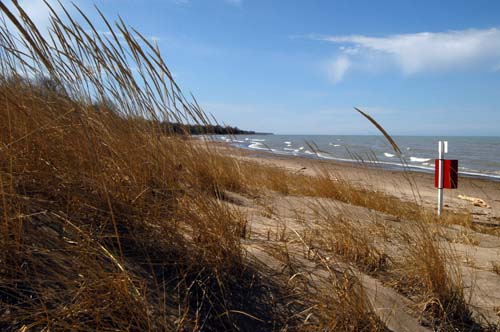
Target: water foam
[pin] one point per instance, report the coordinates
(417, 163)
(257, 146)
(419, 160)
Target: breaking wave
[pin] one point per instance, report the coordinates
(419, 160)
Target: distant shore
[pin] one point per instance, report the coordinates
(206, 129)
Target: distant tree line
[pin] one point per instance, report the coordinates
(197, 129)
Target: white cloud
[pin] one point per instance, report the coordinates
(37, 11)
(337, 68)
(107, 33)
(425, 51)
(39, 14)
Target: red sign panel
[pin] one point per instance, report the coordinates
(450, 174)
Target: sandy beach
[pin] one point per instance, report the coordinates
(277, 220)
(408, 185)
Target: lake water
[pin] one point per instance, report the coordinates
(477, 156)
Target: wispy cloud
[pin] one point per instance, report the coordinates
(418, 52)
(188, 2)
(109, 34)
(181, 2)
(337, 67)
(234, 2)
(38, 12)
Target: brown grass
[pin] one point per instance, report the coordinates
(327, 185)
(430, 272)
(108, 223)
(111, 222)
(342, 306)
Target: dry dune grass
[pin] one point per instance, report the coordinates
(107, 222)
(110, 222)
(428, 270)
(332, 186)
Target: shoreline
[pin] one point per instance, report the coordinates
(382, 164)
(416, 157)
(406, 184)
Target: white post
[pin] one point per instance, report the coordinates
(442, 149)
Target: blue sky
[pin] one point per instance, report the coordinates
(299, 66)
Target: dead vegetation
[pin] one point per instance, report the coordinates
(109, 222)
(428, 271)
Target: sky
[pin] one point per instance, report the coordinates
(300, 66)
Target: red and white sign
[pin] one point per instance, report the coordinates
(450, 174)
(446, 175)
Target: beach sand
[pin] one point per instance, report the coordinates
(276, 220)
(407, 185)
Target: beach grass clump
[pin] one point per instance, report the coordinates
(324, 184)
(429, 272)
(342, 305)
(330, 186)
(351, 241)
(331, 297)
(109, 221)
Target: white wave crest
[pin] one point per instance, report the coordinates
(419, 160)
(388, 155)
(256, 146)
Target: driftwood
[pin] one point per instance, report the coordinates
(475, 201)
